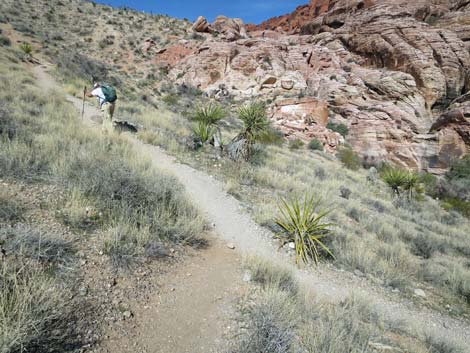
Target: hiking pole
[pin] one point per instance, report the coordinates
(83, 106)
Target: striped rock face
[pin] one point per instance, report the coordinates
(396, 73)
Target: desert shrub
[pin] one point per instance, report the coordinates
(269, 324)
(315, 145)
(5, 41)
(339, 128)
(270, 275)
(460, 169)
(170, 99)
(349, 158)
(296, 144)
(430, 183)
(456, 204)
(427, 244)
(26, 48)
(345, 192)
(302, 221)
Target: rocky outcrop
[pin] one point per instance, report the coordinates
(395, 72)
(201, 25)
(230, 29)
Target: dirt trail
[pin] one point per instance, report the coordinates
(235, 226)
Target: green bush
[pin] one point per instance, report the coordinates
(296, 144)
(302, 222)
(456, 204)
(339, 128)
(170, 99)
(349, 158)
(315, 145)
(430, 183)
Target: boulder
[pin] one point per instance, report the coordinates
(201, 25)
(231, 29)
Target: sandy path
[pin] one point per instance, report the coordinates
(235, 226)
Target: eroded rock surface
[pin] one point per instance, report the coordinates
(395, 72)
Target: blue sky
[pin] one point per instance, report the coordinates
(254, 11)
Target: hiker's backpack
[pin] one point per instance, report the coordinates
(109, 93)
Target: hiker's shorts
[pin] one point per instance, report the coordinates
(107, 113)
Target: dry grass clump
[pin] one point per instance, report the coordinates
(273, 319)
(10, 209)
(32, 308)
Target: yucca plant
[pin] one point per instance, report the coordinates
(254, 119)
(400, 181)
(412, 184)
(395, 178)
(203, 131)
(207, 118)
(255, 125)
(210, 114)
(303, 222)
(26, 48)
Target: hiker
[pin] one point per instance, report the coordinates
(107, 97)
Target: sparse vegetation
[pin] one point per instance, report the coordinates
(296, 144)
(315, 145)
(272, 319)
(99, 184)
(339, 128)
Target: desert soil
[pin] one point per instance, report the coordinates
(192, 312)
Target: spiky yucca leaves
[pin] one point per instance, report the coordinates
(395, 178)
(402, 181)
(254, 120)
(302, 221)
(210, 114)
(203, 131)
(207, 118)
(255, 126)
